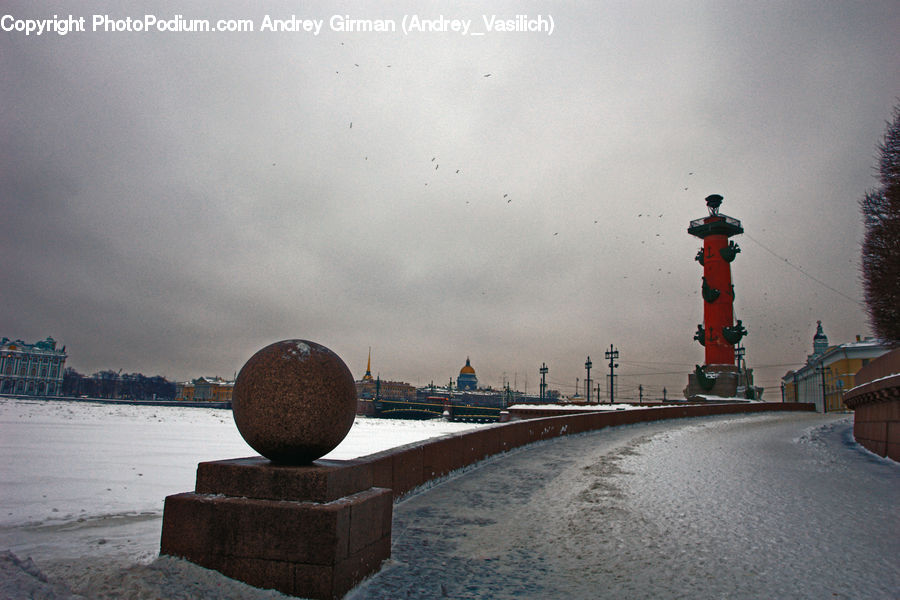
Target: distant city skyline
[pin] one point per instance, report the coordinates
(175, 201)
(599, 382)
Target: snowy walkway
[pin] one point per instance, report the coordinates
(725, 507)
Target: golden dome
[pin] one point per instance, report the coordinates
(467, 370)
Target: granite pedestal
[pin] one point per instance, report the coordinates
(725, 386)
(312, 531)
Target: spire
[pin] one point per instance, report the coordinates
(820, 340)
(368, 375)
(819, 333)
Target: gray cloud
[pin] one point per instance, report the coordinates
(172, 202)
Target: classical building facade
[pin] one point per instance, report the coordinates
(829, 371)
(184, 391)
(204, 389)
(31, 369)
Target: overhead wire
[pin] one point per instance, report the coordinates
(802, 271)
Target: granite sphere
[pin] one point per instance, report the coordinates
(294, 401)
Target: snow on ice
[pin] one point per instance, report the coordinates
(83, 479)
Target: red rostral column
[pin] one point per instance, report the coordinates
(718, 334)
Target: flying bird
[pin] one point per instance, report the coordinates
(351, 124)
(487, 75)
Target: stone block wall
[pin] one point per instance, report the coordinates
(405, 468)
(876, 405)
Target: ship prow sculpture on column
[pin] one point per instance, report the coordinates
(286, 520)
(720, 376)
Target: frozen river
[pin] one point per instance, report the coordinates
(764, 506)
(84, 483)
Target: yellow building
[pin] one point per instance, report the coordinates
(204, 389)
(184, 391)
(829, 371)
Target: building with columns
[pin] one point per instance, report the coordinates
(829, 371)
(31, 369)
(204, 389)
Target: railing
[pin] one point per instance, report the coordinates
(713, 219)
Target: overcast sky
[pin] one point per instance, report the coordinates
(173, 202)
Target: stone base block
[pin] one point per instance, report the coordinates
(313, 549)
(257, 477)
(725, 386)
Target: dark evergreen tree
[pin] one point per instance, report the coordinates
(880, 263)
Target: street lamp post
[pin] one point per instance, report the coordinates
(543, 372)
(587, 383)
(612, 354)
